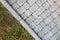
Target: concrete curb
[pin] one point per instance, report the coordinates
(21, 21)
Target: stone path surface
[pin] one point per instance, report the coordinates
(42, 16)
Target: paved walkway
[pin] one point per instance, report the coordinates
(41, 16)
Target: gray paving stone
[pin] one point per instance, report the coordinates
(15, 6)
(46, 29)
(33, 8)
(37, 28)
(38, 20)
(54, 30)
(58, 1)
(43, 24)
(11, 1)
(33, 25)
(46, 37)
(52, 38)
(43, 1)
(23, 16)
(31, 1)
(50, 2)
(54, 15)
(39, 3)
(46, 5)
(41, 33)
(35, 15)
(48, 20)
(50, 33)
(59, 32)
(54, 7)
(26, 5)
(47, 12)
(58, 26)
(21, 2)
(27, 13)
(58, 10)
(20, 10)
(57, 36)
(40, 10)
(52, 24)
(30, 19)
(43, 15)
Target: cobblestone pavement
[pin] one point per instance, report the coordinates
(41, 16)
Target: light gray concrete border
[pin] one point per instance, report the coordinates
(21, 21)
